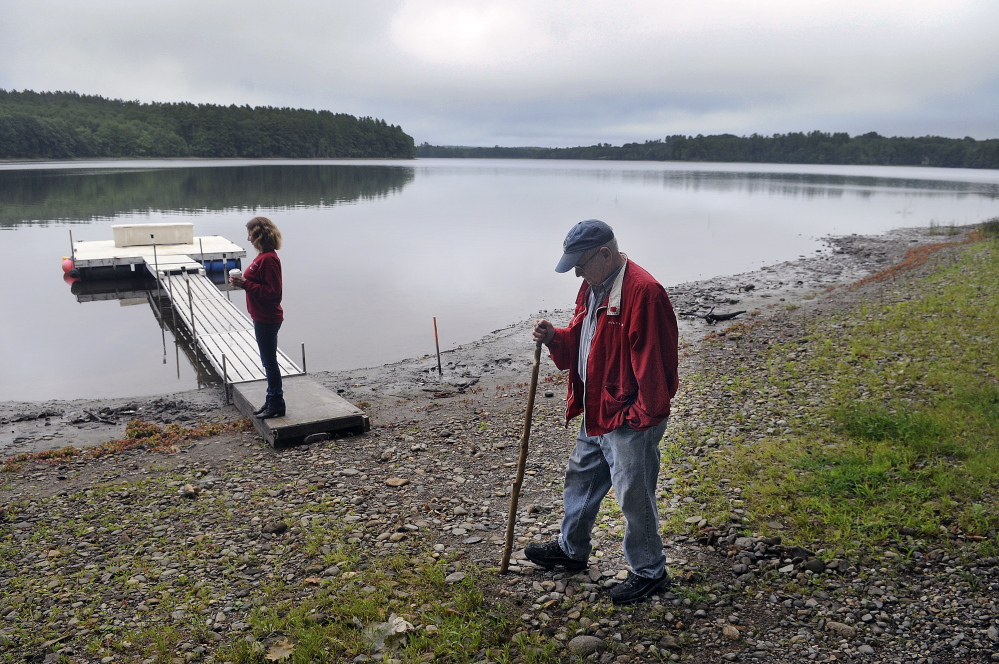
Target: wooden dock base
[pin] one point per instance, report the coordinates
(313, 412)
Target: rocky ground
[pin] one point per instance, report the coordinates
(185, 540)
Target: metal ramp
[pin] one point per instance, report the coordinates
(222, 332)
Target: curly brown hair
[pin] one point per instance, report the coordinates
(264, 235)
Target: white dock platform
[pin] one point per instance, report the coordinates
(104, 253)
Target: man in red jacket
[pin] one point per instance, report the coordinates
(621, 352)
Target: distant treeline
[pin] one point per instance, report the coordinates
(67, 125)
(795, 148)
(39, 196)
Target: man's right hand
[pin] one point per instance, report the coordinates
(544, 331)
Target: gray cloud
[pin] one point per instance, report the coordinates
(516, 72)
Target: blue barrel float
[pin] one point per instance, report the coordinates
(222, 267)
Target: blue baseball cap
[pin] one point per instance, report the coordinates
(585, 235)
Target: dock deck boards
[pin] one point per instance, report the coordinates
(219, 328)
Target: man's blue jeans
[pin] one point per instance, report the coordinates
(266, 334)
(628, 460)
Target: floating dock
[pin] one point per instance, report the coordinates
(180, 264)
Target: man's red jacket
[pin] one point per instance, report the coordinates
(632, 366)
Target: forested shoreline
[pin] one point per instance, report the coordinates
(793, 148)
(67, 125)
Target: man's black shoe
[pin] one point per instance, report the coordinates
(550, 554)
(636, 588)
(267, 404)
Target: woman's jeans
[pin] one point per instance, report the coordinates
(628, 460)
(267, 334)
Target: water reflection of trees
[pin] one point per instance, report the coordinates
(808, 185)
(42, 196)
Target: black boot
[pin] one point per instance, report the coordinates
(274, 409)
(267, 404)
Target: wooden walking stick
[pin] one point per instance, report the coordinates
(522, 463)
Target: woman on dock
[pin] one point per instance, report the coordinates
(262, 283)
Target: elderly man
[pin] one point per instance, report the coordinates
(621, 352)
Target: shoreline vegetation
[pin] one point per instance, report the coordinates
(815, 147)
(67, 125)
(829, 493)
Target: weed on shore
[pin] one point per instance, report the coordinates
(892, 420)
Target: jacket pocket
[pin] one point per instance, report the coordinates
(616, 398)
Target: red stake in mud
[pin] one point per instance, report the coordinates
(522, 463)
(440, 371)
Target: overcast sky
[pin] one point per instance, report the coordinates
(534, 72)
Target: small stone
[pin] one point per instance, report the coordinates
(584, 645)
(471, 540)
(844, 630)
(274, 527)
(814, 565)
(454, 577)
(397, 481)
(669, 642)
(189, 491)
(731, 632)
(865, 649)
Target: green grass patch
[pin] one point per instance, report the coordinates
(895, 415)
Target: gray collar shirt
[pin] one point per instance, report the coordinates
(596, 295)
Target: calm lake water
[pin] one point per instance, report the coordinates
(375, 249)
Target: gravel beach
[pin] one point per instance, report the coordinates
(101, 547)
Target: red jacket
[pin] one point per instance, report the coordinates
(632, 366)
(263, 288)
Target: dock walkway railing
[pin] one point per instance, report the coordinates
(222, 332)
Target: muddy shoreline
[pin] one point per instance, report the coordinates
(499, 358)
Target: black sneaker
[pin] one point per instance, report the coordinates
(550, 554)
(636, 588)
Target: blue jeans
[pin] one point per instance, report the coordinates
(266, 334)
(628, 460)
